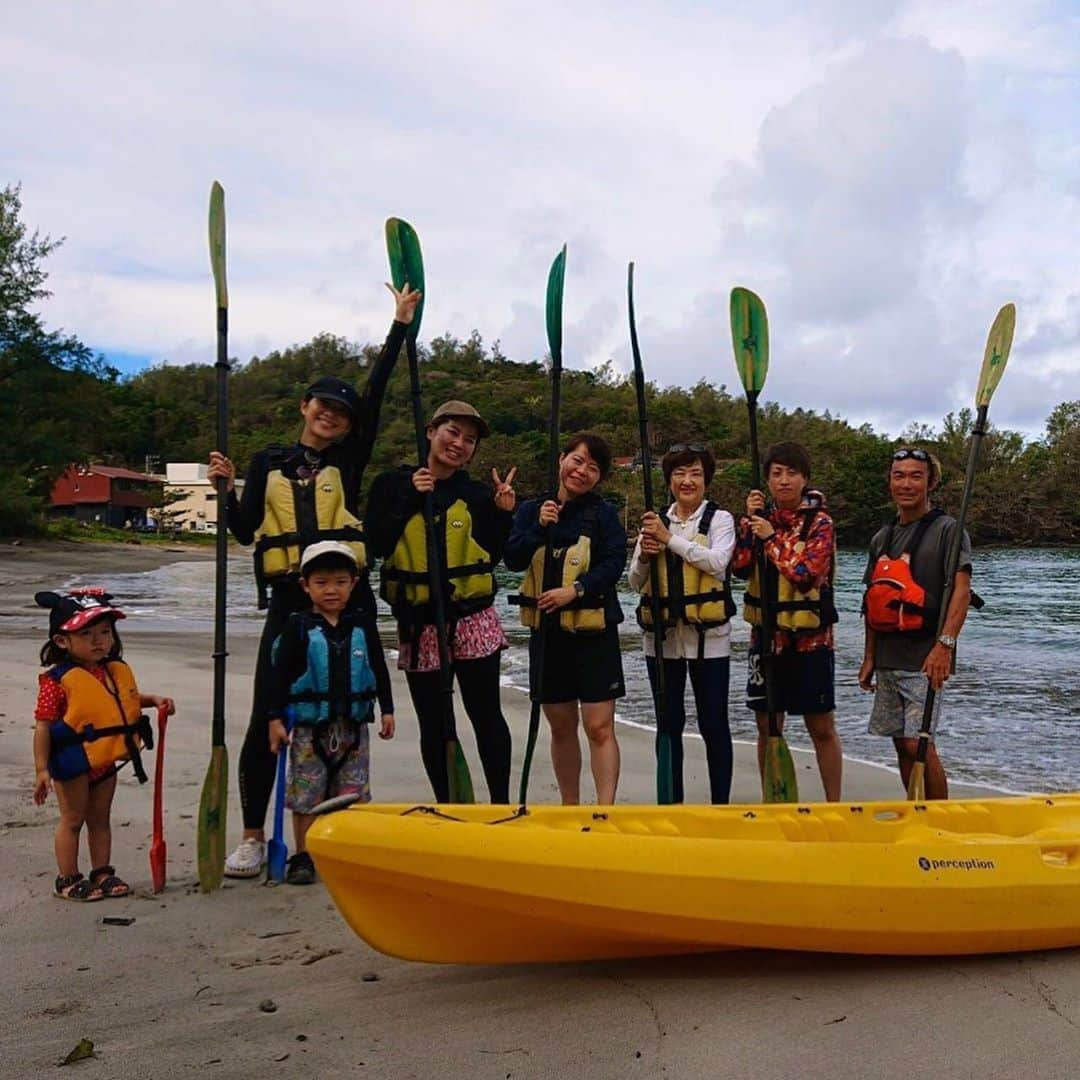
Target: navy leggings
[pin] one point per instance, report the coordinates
(709, 680)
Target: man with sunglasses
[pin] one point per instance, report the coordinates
(905, 579)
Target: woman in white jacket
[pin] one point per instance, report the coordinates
(693, 541)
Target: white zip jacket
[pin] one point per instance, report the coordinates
(681, 641)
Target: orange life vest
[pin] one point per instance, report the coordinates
(102, 725)
(894, 601)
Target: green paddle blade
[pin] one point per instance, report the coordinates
(457, 768)
(778, 783)
(213, 806)
(554, 305)
(750, 336)
(406, 264)
(998, 344)
(217, 243)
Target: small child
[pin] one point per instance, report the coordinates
(328, 665)
(87, 726)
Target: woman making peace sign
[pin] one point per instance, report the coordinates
(472, 523)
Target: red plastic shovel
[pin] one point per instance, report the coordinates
(157, 848)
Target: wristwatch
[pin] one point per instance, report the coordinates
(579, 589)
(947, 640)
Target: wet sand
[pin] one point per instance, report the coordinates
(179, 990)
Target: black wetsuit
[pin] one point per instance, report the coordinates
(258, 766)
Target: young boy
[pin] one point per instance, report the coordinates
(328, 665)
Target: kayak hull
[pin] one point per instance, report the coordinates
(461, 884)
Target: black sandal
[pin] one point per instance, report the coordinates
(76, 887)
(112, 887)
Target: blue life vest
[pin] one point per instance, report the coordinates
(338, 683)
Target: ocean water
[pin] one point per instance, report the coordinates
(1009, 717)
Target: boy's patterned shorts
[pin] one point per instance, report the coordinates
(345, 745)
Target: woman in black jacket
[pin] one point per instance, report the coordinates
(582, 673)
(472, 523)
(295, 496)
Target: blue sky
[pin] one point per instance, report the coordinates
(884, 174)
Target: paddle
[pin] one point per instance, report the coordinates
(158, 850)
(213, 803)
(750, 337)
(665, 782)
(407, 266)
(556, 277)
(277, 851)
(995, 357)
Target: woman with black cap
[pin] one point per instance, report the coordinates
(473, 522)
(295, 496)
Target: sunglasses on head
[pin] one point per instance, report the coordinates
(693, 447)
(918, 455)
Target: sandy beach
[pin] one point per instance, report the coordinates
(178, 991)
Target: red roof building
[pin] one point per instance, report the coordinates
(106, 494)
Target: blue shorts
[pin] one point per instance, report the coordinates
(804, 682)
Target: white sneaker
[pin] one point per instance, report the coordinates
(247, 860)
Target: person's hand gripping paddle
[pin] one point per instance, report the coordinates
(995, 357)
(213, 803)
(750, 337)
(665, 783)
(158, 850)
(556, 278)
(407, 267)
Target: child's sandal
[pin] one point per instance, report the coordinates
(76, 887)
(111, 887)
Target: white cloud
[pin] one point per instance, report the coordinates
(885, 174)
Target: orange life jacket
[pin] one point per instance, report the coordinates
(102, 725)
(894, 601)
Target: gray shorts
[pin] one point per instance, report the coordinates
(899, 702)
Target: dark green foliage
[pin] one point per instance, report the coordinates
(59, 403)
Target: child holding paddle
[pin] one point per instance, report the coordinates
(295, 496)
(328, 667)
(87, 725)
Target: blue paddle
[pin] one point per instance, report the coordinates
(277, 851)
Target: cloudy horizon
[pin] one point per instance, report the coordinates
(885, 174)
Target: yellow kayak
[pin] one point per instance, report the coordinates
(488, 885)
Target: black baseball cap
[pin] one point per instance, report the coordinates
(330, 388)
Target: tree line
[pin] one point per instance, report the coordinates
(60, 404)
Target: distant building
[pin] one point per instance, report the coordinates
(190, 498)
(105, 493)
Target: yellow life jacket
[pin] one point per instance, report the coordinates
(687, 592)
(101, 725)
(792, 608)
(298, 513)
(584, 615)
(404, 580)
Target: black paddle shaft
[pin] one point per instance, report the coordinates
(952, 562)
(767, 628)
(217, 737)
(539, 655)
(655, 603)
(438, 607)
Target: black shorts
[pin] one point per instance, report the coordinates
(577, 667)
(805, 682)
